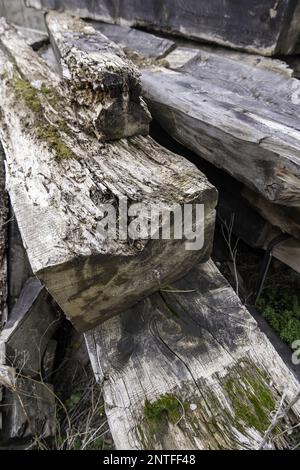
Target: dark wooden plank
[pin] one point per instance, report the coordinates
(147, 45)
(102, 83)
(30, 326)
(16, 12)
(266, 27)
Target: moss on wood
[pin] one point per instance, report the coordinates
(45, 131)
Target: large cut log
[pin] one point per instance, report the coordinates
(266, 27)
(100, 79)
(3, 239)
(233, 119)
(16, 12)
(61, 181)
(188, 368)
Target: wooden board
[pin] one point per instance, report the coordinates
(60, 176)
(19, 269)
(147, 45)
(3, 240)
(16, 12)
(266, 27)
(101, 82)
(188, 368)
(285, 218)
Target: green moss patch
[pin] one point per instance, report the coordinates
(44, 130)
(281, 309)
(167, 407)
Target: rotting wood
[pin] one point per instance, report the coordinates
(60, 177)
(30, 326)
(103, 83)
(266, 27)
(233, 119)
(217, 377)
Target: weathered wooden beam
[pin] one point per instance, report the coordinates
(253, 25)
(261, 151)
(30, 326)
(18, 13)
(235, 208)
(285, 218)
(130, 39)
(3, 239)
(61, 177)
(233, 119)
(101, 81)
(29, 411)
(188, 368)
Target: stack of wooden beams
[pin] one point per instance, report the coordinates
(238, 112)
(182, 362)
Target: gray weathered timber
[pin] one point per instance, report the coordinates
(59, 178)
(101, 81)
(3, 239)
(285, 218)
(188, 368)
(147, 45)
(19, 269)
(30, 326)
(234, 119)
(260, 151)
(16, 12)
(29, 410)
(266, 27)
(35, 39)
